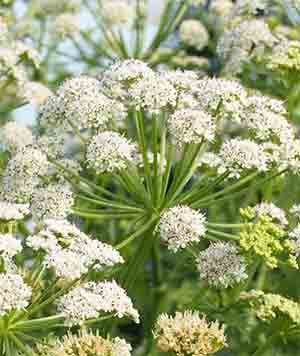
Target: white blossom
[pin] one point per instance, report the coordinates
(153, 94)
(52, 202)
(191, 126)
(109, 152)
(220, 265)
(10, 211)
(91, 299)
(237, 155)
(181, 226)
(117, 12)
(194, 34)
(271, 210)
(15, 136)
(14, 293)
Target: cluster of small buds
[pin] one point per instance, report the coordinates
(191, 126)
(188, 334)
(117, 12)
(10, 211)
(52, 202)
(181, 226)
(284, 57)
(194, 34)
(15, 136)
(262, 237)
(91, 299)
(14, 293)
(221, 266)
(267, 306)
(85, 344)
(109, 152)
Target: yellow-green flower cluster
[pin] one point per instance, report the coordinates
(262, 237)
(267, 306)
(285, 58)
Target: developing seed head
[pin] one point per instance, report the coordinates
(188, 334)
(220, 265)
(181, 226)
(110, 152)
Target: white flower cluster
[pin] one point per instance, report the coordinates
(66, 24)
(70, 252)
(110, 152)
(91, 299)
(15, 136)
(34, 92)
(272, 211)
(237, 155)
(220, 265)
(239, 44)
(52, 202)
(14, 293)
(10, 211)
(191, 126)
(22, 174)
(222, 97)
(194, 34)
(117, 12)
(153, 94)
(78, 103)
(10, 246)
(181, 226)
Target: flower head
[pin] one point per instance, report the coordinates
(221, 265)
(14, 293)
(109, 152)
(180, 226)
(194, 34)
(191, 126)
(91, 299)
(188, 334)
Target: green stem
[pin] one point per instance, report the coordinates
(223, 235)
(140, 126)
(137, 233)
